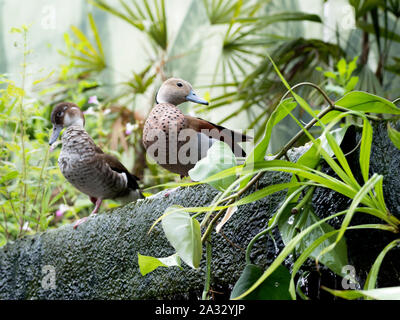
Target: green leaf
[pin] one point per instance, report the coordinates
(289, 225)
(361, 196)
(351, 84)
(365, 149)
(394, 136)
(390, 293)
(9, 176)
(342, 67)
(275, 287)
(282, 17)
(366, 102)
(259, 151)
(147, 263)
(338, 135)
(281, 111)
(283, 254)
(373, 273)
(183, 232)
(219, 157)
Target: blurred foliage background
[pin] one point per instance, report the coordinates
(110, 56)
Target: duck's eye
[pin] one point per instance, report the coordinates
(179, 84)
(60, 113)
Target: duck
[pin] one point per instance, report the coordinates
(90, 170)
(177, 141)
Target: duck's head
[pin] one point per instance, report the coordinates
(65, 114)
(177, 91)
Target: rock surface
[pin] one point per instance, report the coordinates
(99, 259)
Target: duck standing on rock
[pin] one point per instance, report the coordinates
(99, 175)
(177, 141)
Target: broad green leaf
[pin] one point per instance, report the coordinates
(219, 157)
(148, 264)
(275, 287)
(183, 232)
(394, 136)
(367, 102)
(289, 225)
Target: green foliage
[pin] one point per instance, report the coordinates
(148, 264)
(183, 232)
(146, 16)
(394, 135)
(84, 54)
(376, 294)
(34, 195)
(343, 80)
(27, 181)
(276, 287)
(305, 234)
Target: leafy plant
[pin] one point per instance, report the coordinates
(308, 235)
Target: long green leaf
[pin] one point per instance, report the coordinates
(373, 273)
(365, 149)
(391, 293)
(367, 102)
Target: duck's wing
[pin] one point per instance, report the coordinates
(217, 132)
(117, 166)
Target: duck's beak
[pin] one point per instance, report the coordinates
(56, 132)
(194, 98)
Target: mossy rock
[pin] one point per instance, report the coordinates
(99, 259)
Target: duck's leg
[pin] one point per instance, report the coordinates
(97, 203)
(97, 206)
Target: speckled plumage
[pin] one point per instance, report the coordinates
(81, 164)
(170, 120)
(85, 165)
(182, 134)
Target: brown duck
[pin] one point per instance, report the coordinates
(178, 141)
(85, 165)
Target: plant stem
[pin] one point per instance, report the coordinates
(208, 268)
(5, 223)
(309, 125)
(323, 93)
(213, 221)
(40, 180)
(22, 133)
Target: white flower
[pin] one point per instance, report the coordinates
(93, 100)
(130, 128)
(90, 110)
(61, 210)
